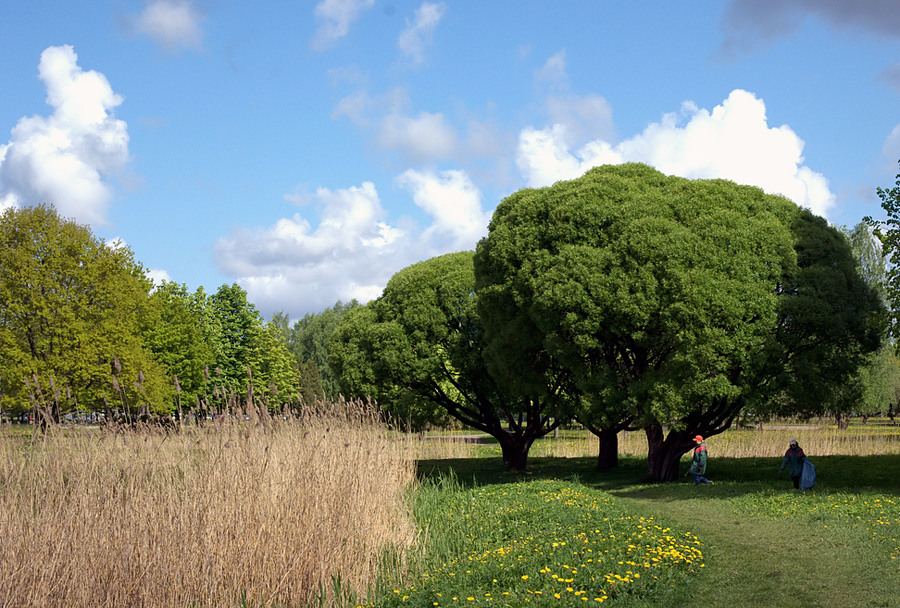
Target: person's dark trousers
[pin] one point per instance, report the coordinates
(796, 481)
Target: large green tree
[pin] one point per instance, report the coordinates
(252, 358)
(830, 321)
(179, 335)
(71, 309)
(418, 349)
(880, 382)
(877, 384)
(671, 303)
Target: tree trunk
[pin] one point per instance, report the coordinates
(841, 420)
(664, 453)
(608, 453)
(515, 452)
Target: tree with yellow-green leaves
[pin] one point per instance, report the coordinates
(71, 308)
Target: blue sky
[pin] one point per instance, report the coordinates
(308, 151)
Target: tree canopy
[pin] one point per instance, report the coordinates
(178, 333)
(251, 355)
(309, 341)
(888, 232)
(418, 349)
(670, 302)
(71, 309)
(81, 328)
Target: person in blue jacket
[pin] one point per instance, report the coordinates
(793, 460)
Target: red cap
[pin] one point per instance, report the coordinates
(698, 439)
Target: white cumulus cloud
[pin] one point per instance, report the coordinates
(65, 158)
(420, 31)
(334, 18)
(454, 203)
(173, 24)
(158, 276)
(733, 141)
(353, 250)
(295, 266)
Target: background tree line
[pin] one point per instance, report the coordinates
(83, 329)
(627, 299)
(624, 299)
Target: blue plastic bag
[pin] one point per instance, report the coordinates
(808, 476)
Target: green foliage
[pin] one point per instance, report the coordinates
(69, 306)
(418, 350)
(251, 356)
(888, 232)
(830, 320)
(654, 292)
(238, 326)
(404, 348)
(664, 302)
(178, 334)
(310, 383)
(879, 378)
(867, 251)
(309, 341)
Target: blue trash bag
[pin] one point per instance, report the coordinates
(808, 476)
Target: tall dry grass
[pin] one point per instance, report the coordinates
(270, 512)
(815, 440)
(768, 441)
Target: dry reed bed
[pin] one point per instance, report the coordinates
(268, 510)
(735, 443)
(773, 441)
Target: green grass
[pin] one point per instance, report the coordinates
(532, 542)
(763, 544)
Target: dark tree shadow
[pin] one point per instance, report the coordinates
(731, 476)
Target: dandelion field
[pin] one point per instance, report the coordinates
(761, 542)
(534, 542)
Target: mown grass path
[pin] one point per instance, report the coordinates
(755, 561)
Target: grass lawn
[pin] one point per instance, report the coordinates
(762, 543)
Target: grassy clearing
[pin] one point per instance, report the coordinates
(269, 512)
(535, 542)
(763, 543)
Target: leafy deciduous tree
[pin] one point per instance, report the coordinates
(888, 232)
(418, 349)
(69, 306)
(309, 341)
(179, 336)
(250, 354)
(669, 302)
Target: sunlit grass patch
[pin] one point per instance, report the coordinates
(540, 541)
(877, 514)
